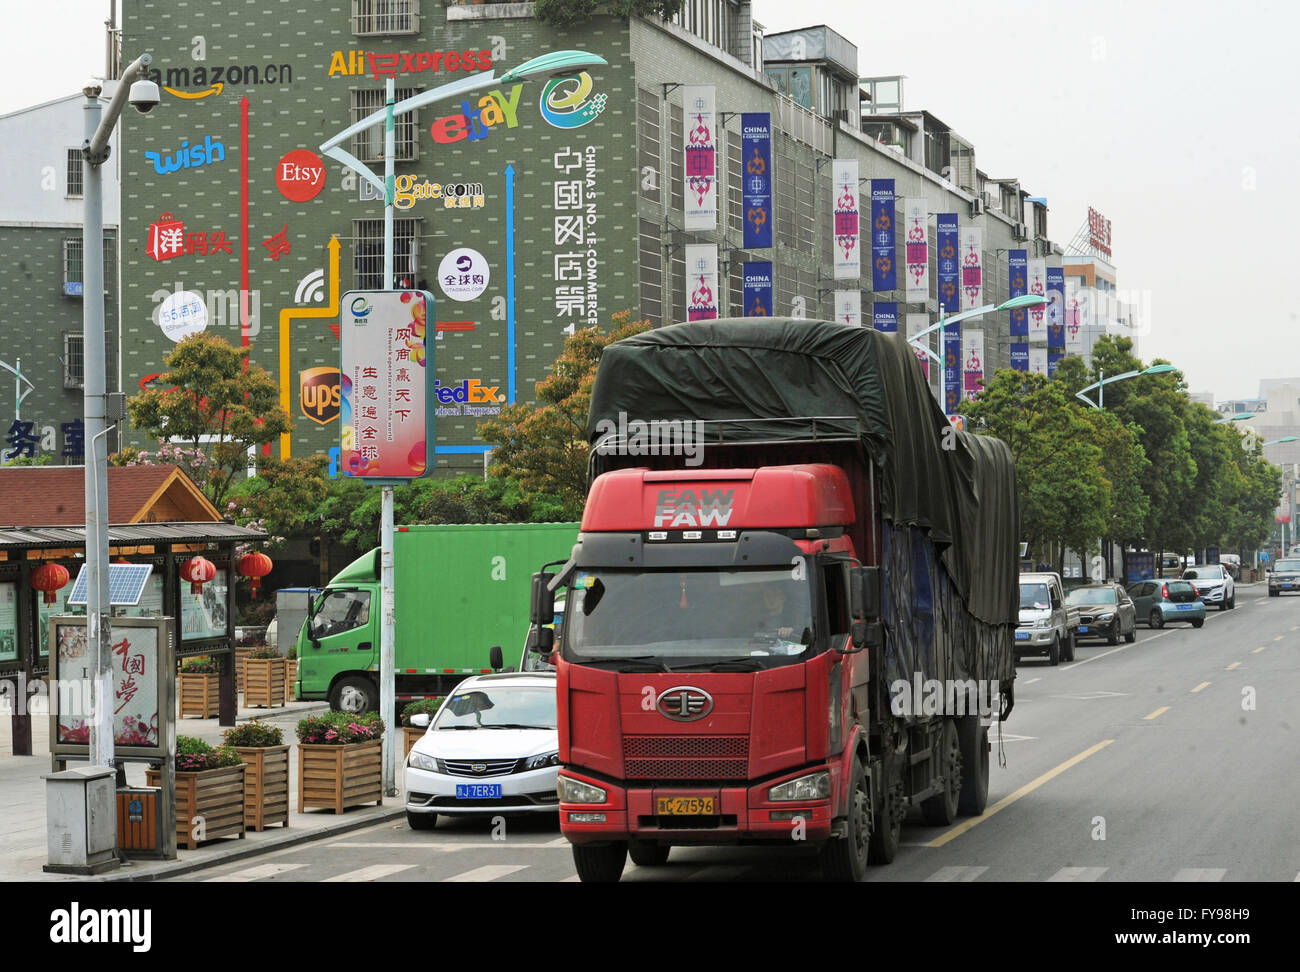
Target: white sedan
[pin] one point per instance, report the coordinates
(491, 749)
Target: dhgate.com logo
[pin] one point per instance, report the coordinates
(568, 103)
(361, 307)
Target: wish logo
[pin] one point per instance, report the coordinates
(188, 156)
(568, 102)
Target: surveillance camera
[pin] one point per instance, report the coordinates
(144, 96)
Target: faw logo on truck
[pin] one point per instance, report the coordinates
(691, 508)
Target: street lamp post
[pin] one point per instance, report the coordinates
(1103, 381)
(554, 63)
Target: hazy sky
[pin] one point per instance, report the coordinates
(1180, 122)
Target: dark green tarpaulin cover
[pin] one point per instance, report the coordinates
(746, 375)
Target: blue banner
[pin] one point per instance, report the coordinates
(949, 298)
(952, 372)
(1018, 284)
(884, 274)
(884, 315)
(1054, 358)
(1020, 355)
(1141, 566)
(756, 152)
(1055, 310)
(757, 288)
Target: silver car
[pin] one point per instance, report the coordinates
(1105, 611)
(1284, 576)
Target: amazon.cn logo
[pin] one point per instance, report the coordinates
(684, 703)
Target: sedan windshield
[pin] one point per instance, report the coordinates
(491, 707)
(1091, 595)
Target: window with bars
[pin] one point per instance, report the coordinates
(368, 145)
(76, 174)
(74, 266)
(648, 145)
(677, 194)
(368, 254)
(651, 259)
(735, 170)
(385, 17)
(74, 367)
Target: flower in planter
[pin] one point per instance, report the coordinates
(199, 666)
(339, 728)
(265, 653)
(195, 755)
(254, 735)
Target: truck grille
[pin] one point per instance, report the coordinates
(686, 757)
(465, 767)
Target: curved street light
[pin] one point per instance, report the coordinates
(1239, 417)
(1025, 300)
(1103, 381)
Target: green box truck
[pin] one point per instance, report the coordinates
(458, 590)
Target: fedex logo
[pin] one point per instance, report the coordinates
(684, 508)
(467, 391)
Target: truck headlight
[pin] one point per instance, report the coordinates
(1043, 623)
(814, 786)
(575, 791)
(420, 761)
(546, 759)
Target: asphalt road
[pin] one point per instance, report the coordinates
(1171, 759)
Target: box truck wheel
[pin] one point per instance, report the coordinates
(941, 809)
(845, 858)
(355, 694)
(889, 815)
(600, 863)
(974, 740)
(648, 853)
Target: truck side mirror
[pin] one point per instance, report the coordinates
(865, 592)
(542, 610)
(495, 659)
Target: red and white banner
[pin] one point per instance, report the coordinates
(1037, 284)
(846, 231)
(848, 307)
(701, 282)
(972, 362)
(916, 235)
(1078, 313)
(970, 256)
(700, 146)
(916, 323)
(1038, 360)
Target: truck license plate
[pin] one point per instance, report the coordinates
(1022, 636)
(684, 806)
(478, 791)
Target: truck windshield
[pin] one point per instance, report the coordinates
(1034, 596)
(340, 611)
(679, 620)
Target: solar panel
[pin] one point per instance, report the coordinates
(125, 584)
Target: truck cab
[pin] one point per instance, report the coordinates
(1047, 624)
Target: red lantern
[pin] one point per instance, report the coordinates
(255, 565)
(49, 578)
(198, 571)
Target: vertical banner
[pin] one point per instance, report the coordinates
(1078, 311)
(951, 367)
(756, 299)
(700, 147)
(1056, 309)
(756, 158)
(972, 362)
(884, 316)
(848, 307)
(1020, 355)
(946, 239)
(844, 186)
(702, 281)
(884, 275)
(1038, 361)
(915, 227)
(916, 323)
(384, 379)
(972, 267)
(1053, 359)
(1037, 285)
(1017, 284)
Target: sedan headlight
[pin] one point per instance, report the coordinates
(1103, 619)
(575, 791)
(814, 786)
(421, 761)
(546, 759)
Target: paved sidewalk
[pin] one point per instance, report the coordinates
(23, 841)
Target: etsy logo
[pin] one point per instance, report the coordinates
(300, 175)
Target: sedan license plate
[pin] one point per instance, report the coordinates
(684, 806)
(1083, 629)
(478, 791)
(1022, 636)
(1185, 607)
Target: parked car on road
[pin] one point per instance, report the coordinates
(492, 748)
(1284, 576)
(1105, 611)
(1159, 602)
(1047, 623)
(1214, 585)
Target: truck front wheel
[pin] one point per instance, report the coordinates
(600, 863)
(889, 815)
(974, 740)
(845, 858)
(648, 853)
(1054, 652)
(355, 694)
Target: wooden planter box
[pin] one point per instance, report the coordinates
(266, 785)
(263, 682)
(412, 735)
(215, 795)
(337, 777)
(290, 676)
(199, 695)
(241, 656)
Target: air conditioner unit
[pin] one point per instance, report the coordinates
(1020, 231)
(992, 200)
(977, 206)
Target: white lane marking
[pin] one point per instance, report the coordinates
(1033, 680)
(956, 874)
(372, 873)
(1201, 874)
(1066, 668)
(258, 873)
(1077, 874)
(489, 872)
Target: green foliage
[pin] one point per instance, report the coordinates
(193, 755)
(282, 496)
(420, 705)
(254, 734)
(265, 653)
(340, 728)
(566, 13)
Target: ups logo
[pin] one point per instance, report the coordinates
(318, 394)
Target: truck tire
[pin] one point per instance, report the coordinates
(845, 858)
(355, 694)
(648, 853)
(421, 821)
(941, 809)
(888, 819)
(600, 863)
(1054, 653)
(974, 740)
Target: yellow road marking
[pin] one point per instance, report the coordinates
(1006, 801)
(1259, 649)
(1203, 685)
(1278, 638)
(1232, 666)
(1158, 713)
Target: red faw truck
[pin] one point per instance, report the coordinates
(793, 596)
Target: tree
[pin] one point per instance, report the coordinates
(565, 13)
(212, 401)
(544, 446)
(282, 496)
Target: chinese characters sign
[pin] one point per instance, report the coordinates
(1098, 232)
(383, 384)
(168, 239)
